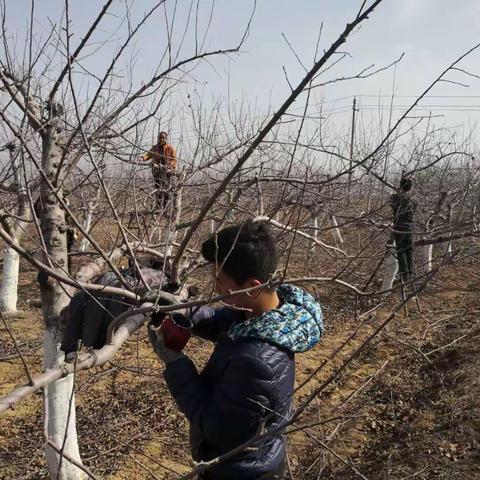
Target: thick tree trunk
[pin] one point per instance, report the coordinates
(9, 288)
(92, 206)
(59, 408)
(427, 257)
(337, 235)
(88, 223)
(59, 398)
(448, 250)
(391, 267)
(11, 259)
(314, 232)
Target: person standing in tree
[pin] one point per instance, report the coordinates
(164, 163)
(404, 208)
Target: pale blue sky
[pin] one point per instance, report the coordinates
(431, 33)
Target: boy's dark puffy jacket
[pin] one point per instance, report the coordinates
(250, 374)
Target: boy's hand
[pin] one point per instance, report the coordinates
(157, 340)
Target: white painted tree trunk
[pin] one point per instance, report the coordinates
(428, 256)
(315, 231)
(11, 259)
(59, 421)
(60, 409)
(261, 206)
(337, 235)
(390, 268)
(92, 206)
(88, 223)
(448, 250)
(9, 288)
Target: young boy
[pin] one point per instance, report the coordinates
(252, 369)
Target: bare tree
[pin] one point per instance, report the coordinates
(60, 131)
(327, 201)
(15, 221)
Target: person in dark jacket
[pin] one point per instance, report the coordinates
(247, 386)
(404, 208)
(89, 314)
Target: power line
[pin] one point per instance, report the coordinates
(416, 96)
(190, 133)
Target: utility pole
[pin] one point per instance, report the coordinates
(352, 141)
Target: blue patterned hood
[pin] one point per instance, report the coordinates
(296, 325)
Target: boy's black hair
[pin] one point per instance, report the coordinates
(406, 184)
(243, 251)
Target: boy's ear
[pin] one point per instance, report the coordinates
(253, 283)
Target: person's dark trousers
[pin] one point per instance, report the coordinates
(280, 474)
(404, 247)
(163, 184)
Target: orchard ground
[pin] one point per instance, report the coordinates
(407, 407)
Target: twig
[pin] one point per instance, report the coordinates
(17, 348)
(72, 460)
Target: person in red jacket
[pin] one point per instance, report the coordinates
(164, 164)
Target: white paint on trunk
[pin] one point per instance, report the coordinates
(337, 235)
(428, 256)
(315, 231)
(60, 409)
(88, 223)
(9, 288)
(391, 267)
(92, 206)
(59, 404)
(449, 250)
(261, 206)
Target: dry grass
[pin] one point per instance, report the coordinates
(415, 419)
